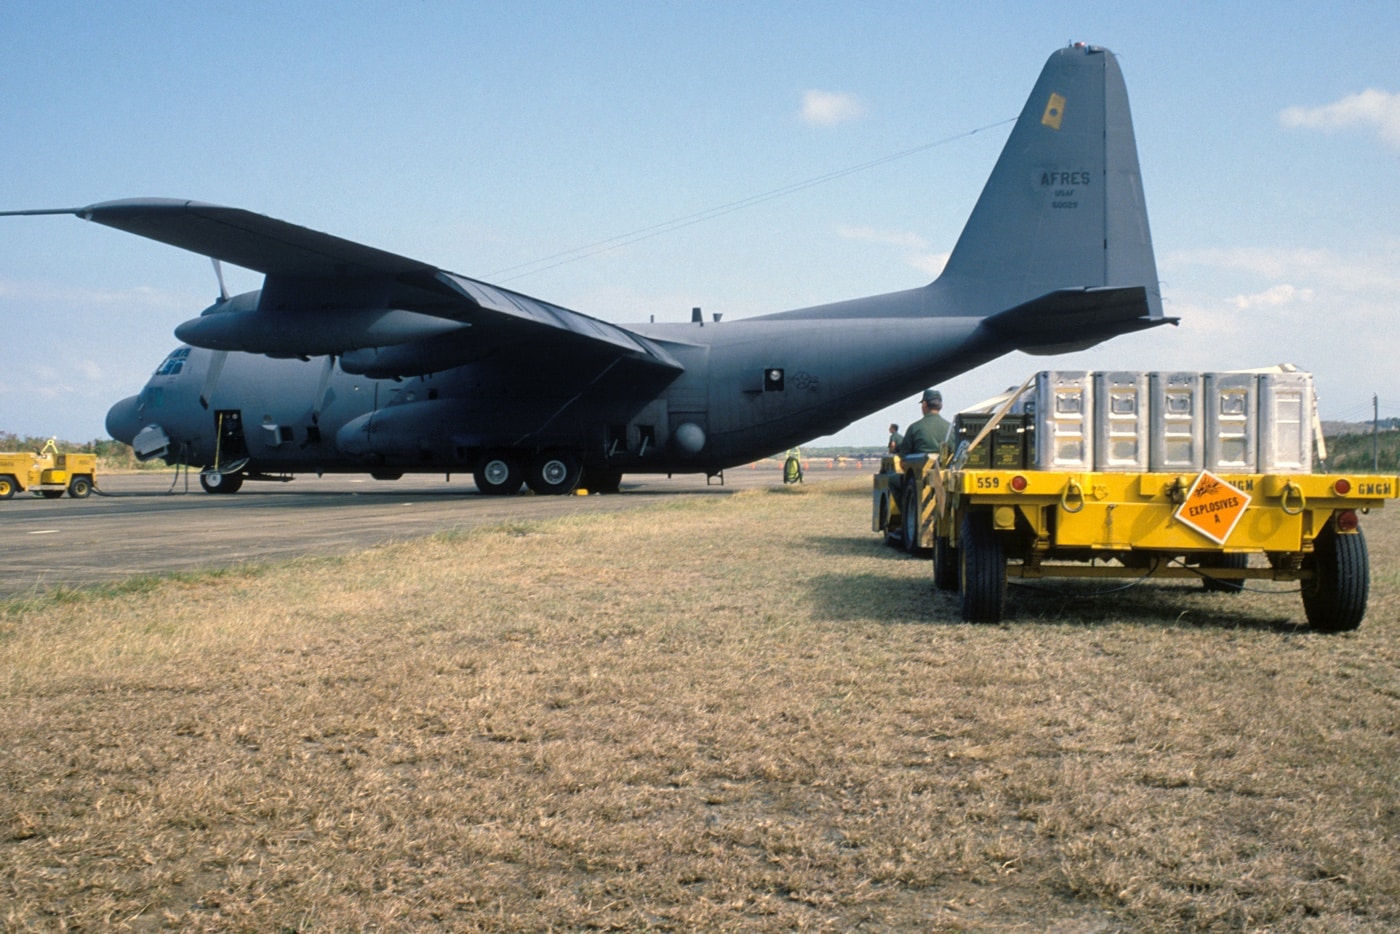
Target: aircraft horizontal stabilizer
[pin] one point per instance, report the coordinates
(1074, 319)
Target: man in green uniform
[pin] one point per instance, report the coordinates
(895, 438)
(930, 433)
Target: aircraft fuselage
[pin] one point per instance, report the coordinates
(749, 388)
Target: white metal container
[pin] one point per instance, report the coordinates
(1176, 422)
(1120, 421)
(1064, 420)
(1232, 416)
(1285, 422)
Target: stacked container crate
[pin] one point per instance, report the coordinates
(1136, 421)
(1120, 429)
(1285, 422)
(1232, 421)
(1177, 422)
(1064, 420)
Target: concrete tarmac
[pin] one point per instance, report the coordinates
(159, 524)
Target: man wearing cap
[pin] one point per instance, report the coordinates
(895, 438)
(930, 433)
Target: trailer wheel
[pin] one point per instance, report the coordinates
(7, 487)
(1335, 599)
(79, 487)
(1217, 585)
(945, 564)
(982, 569)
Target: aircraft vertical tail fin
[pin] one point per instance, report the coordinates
(1064, 207)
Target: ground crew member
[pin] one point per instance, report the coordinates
(895, 438)
(930, 433)
(792, 467)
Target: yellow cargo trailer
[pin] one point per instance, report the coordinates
(987, 517)
(996, 524)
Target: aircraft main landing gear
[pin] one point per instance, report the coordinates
(499, 474)
(554, 473)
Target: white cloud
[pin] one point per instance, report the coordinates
(828, 108)
(1364, 270)
(1330, 311)
(89, 370)
(1370, 108)
(889, 237)
(1274, 297)
(929, 263)
(142, 296)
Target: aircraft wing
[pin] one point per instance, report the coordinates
(311, 274)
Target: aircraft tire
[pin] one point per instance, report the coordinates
(7, 487)
(909, 522)
(1215, 584)
(945, 564)
(1335, 599)
(79, 487)
(498, 474)
(554, 473)
(981, 569)
(223, 483)
(386, 474)
(51, 494)
(894, 535)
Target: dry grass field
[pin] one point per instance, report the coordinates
(723, 713)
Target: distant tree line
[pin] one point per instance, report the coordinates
(111, 455)
(1364, 451)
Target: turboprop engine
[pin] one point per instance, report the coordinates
(240, 324)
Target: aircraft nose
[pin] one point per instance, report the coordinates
(124, 419)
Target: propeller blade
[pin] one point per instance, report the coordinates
(211, 376)
(219, 274)
(321, 389)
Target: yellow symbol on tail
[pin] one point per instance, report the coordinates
(1054, 112)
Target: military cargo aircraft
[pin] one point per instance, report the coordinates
(353, 359)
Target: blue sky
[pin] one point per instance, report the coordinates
(485, 137)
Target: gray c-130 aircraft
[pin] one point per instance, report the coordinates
(425, 370)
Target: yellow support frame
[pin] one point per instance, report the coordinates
(1116, 512)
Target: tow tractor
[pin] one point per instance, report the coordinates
(1211, 493)
(48, 473)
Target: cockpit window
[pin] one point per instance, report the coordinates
(174, 363)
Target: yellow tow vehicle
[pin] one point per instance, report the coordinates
(48, 473)
(905, 501)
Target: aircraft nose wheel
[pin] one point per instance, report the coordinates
(214, 481)
(554, 473)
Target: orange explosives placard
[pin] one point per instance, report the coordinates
(1213, 507)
